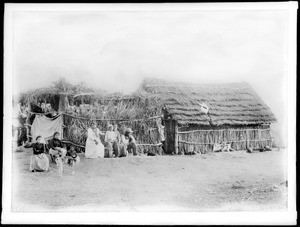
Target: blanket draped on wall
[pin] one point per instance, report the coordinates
(45, 127)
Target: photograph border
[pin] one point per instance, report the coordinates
(192, 218)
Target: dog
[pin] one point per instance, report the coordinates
(72, 162)
(72, 159)
(59, 163)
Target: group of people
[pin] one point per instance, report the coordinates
(39, 159)
(117, 143)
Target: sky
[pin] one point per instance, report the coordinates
(116, 50)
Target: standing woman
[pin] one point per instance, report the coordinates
(93, 147)
(39, 160)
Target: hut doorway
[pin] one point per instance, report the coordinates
(170, 126)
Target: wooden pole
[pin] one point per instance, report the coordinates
(176, 137)
(247, 140)
(167, 135)
(167, 130)
(27, 122)
(63, 103)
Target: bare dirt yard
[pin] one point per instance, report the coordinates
(228, 181)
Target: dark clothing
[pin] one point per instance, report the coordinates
(162, 121)
(133, 147)
(132, 144)
(38, 148)
(55, 143)
(72, 154)
(163, 146)
(131, 139)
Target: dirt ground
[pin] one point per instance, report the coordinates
(227, 181)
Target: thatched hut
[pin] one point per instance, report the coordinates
(197, 117)
(79, 105)
(57, 96)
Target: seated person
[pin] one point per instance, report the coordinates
(118, 140)
(93, 146)
(39, 160)
(118, 135)
(72, 157)
(123, 146)
(112, 142)
(131, 142)
(56, 147)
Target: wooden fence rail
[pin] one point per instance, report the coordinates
(241, 141)
(221, 130)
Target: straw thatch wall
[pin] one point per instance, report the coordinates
(202, 140)
(135, 112)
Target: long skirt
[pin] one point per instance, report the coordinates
(39, 162)
(123, 150)
(93, 150)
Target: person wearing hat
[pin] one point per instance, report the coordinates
(131, 141)
(111, 140)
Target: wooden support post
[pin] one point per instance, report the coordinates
(247, 140)
(63, 103)
(176, 137)
(27, 122)
(167, 131)
(167, 135)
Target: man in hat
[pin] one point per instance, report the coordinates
(131, 141)
(112, 142)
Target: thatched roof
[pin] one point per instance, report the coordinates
(63, 87)
(229, 104)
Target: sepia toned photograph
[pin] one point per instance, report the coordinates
(134, 110)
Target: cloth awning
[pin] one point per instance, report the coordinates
(46, 127)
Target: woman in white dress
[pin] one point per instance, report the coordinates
(93, 147)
